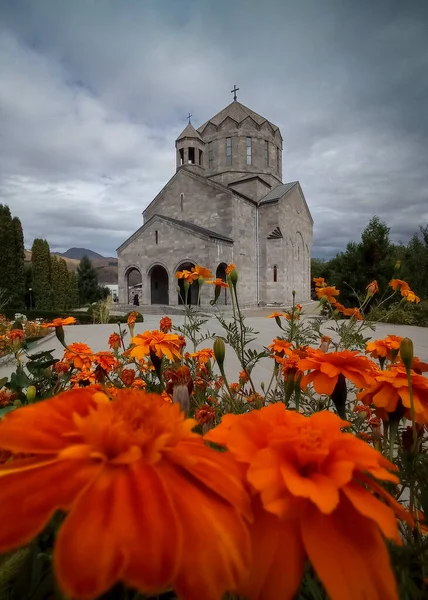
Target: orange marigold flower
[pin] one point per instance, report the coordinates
(187, 276)
(389, 387)
(319, 281)
(314, 498)
(372, 288)
(16, 334)
(243, 377)
(399, 284)
(230, 268)
(328, 292)
(60, 322)
(234, 387)
(280, 346)
(276, 315)
(125, 470)
(205, 414)
(127, 376)
(105, 360)
(290, 365)
(218, 283)
(178, 377)
(83, 378)
(165, 324)
(132, 317)
(6, 397)
(324, 369)
(384, 348)
(255, 398)
(138, 383)
(352, 312)
(61, 367)
(201, 272)
(203, 355)
(80, 355)
(363, 411)
(114, 341)
(418, 366)
(157, 342)
(410, 296)
(325, 343)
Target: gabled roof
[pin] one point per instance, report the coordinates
(282, 190)
(278, 192)
(238, 112)
(189, 132)
(191, 227)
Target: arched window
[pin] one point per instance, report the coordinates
(275, 273)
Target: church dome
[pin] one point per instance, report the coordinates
(189, 132)
(237, 112)
(241, 144)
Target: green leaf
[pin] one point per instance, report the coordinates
(6, 409)
(40, 354)
(3, 381)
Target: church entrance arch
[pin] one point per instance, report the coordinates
(221, 274)
(159, 285)
(133, 284)
(192, 296)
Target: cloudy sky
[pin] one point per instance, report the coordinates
(94, 92)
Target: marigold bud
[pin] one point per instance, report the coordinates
(233, 277)
(406, 352)
(219, 351)
(31, 393)
(59, 331)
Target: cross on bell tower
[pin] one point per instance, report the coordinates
(235, 89)
(189, 116)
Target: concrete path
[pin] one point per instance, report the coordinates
(96, 337)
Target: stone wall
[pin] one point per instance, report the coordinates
(189, 198)
(175, 246)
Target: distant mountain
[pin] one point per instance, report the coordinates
(106, 268)
(79, 253)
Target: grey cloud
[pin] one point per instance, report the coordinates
(94, 98)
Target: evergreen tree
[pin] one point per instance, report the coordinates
(72, 291)
(41, 266)
(415, 267)
(18, 281)
(59, 282)
(87, 281)
(7, 255)
(64, 284)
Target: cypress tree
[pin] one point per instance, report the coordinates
(7, 255)
(19, 265)
(41, 266)
(87, 281)
(56, 283)
(63, 283)
(72, 291)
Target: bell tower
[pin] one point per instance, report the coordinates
(190, 149)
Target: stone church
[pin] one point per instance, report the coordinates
(226, 203)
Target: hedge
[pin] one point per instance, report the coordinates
(47, 315)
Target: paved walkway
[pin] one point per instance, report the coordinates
(96, 336)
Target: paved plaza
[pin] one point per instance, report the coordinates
(96, 337)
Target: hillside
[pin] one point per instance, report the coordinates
(106, 268)
(79, 253)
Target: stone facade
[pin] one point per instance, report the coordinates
(226, 203)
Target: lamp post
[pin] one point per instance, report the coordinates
(31, 298)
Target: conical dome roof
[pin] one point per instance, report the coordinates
(189, 132)
(238, 112)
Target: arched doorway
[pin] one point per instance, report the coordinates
(221, 274)
(159, 285)
(133, 284)
(192, 296)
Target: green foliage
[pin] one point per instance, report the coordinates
(18, 280)
(82, 317)
(72, 291)
(59, 273)
(41, 268)
(89, 290)
(415, 263)
(401, 313)
(12, 273)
